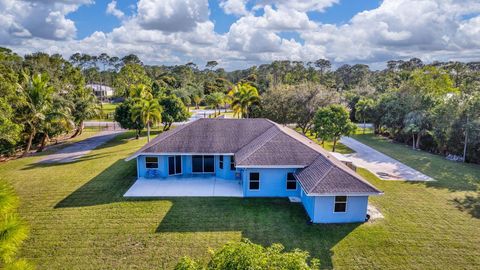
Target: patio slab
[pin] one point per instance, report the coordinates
(185, 187)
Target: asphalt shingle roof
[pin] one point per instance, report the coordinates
(261, 142)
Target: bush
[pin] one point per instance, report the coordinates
(247, 255)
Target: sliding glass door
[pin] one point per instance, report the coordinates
(174, 165)
(203, 164)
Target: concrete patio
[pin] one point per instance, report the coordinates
(205, 186)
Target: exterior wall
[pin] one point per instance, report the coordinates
(224, 173)
(273, 183)
(308, 203)
(162, 169)
(324, 210)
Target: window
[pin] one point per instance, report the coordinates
(232, 163)
(291, 182)
(220, 162)
(151, 162)
(203, 164)
(340, 204)
(174, 165)
(254, 181)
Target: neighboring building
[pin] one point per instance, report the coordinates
(261, 159)
(101, 91)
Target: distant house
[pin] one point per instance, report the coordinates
(101, 91)
(251, 158)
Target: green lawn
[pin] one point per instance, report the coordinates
(79, 219)
(328, 145)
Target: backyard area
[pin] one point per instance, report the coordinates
(79, 218)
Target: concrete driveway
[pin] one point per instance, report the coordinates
(81, 148)
(380, 164)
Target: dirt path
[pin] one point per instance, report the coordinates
(380, 164)
(81, 148)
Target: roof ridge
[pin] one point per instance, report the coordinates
(260, 145)
(323, 177)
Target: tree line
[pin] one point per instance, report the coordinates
(433, 107)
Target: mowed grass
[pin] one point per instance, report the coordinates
(79, 220)
(328, 145)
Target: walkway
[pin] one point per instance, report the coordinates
(81, 148)
(185, 187)
(380, 164)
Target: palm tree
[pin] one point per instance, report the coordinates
(57, 120)
(215, 99)
(37, 101)
(149, 112)
(140, 91)
(84, 106)
(242, 96)
(197, 99)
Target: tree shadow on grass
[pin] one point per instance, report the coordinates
(263, 221)
(107, 187)
(469, 204)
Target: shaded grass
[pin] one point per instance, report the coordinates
(79, 220)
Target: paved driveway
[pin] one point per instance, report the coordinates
(81, 148)
(380, 164)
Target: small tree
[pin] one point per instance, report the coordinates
(149, 112)
(123, 115)
(247, 255)
(215, 99)
(173, 111)
(364, 110)
(332, 122)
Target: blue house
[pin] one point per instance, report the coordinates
(250, 158)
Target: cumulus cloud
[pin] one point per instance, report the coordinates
(172, 15)
(37, 19)
(300, 5)
(113, 10)
(235, 7)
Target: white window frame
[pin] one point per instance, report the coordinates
(146, 162)
(335, 202)
(250, 180)
(221, 159)
(174, 165)
(294, 180)
(203, 165)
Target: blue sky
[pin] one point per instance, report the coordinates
(241, 33)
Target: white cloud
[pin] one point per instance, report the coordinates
(235, 7)
(172, 15)
(300, 5)
(113, 10)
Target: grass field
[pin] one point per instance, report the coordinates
(79, 219)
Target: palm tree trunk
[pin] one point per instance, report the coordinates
(29, 143)
(44, 142)
(148, 132)
(413, 141)
(334, 144)
(78, 131)
(363, 125)
(417, 144)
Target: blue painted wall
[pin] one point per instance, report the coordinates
(356, 210)
(308, 203)
(162, 169)
(273, 183)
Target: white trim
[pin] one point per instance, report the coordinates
(175, 153)
(203, 165)
(174, 165)
(254, 180)
(286, 182)
(351, 194)
(346, 204)
(158, 161)
(271, 166)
